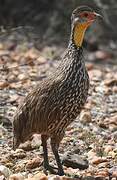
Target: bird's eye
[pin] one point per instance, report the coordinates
(85, 15)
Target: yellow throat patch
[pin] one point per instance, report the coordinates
(79, 31)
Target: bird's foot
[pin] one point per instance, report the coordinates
(61, 172)
(51, 169)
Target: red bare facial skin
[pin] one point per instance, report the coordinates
(91, 16)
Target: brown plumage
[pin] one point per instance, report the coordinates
(58, 100)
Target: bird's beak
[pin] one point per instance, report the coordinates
(98, 15)
(93, 16)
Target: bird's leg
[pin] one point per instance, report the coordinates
(45, 155)
(55, 146)
(45, 151)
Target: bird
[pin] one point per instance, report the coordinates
(56, 101)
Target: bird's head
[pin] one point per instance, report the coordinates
(82, 17)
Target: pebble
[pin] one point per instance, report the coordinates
(113, 120)
(36, 142)
(4, 171)
(102, 55)
(27, 146)
(112, 127)
(38, 176)
(56, 177)
(67, 178)
(114, 174)
(107, 149)
(114, 89)
(91, 154)
(9, 164)
(19, 153)
(32, 54)
(90, 104)
(2, 177)
(22, 77)
(112, 154)
(16, 177)
(89, 66)
(85, 117)
(95, 74)
(89, 177)
(1, 46)
(113, 171)
(19, 167)
(41, 60)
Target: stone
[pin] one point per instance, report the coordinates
(102, 55)
(114, 89)
(113, 171)
(16, 177)
(36, 141)
(90, 66)
(112, 127)
(56, 177)
(27, 146)
(2, 177)
(114, 174)
(85, 117)
(40, 175)
(99, 177)
(4, 171)
(19, 154)
(88, 178)
(73, 160)
(68, 178)
(107, 149)
(91, 154)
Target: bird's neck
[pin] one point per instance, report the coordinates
(78, 32)
(75, 63)
(75, 54)
(74, 72)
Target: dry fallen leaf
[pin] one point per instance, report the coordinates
(35, 162)
(96, 160)
(110, 82)
(4, 85)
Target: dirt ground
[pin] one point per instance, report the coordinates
(93, 134)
